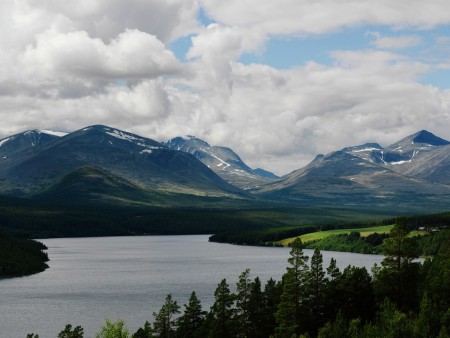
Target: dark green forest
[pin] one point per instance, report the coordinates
(399, 298)
(20, 257)
(34, 219)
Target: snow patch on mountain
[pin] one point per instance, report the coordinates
(52, 132)
(222, 162)
(5, 140)
(123, 136)
(130, 138)
(365, 149)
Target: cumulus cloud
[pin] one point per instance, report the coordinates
(68, 65)
(105, 19)
(397, 42)
(321, 16)
(132, 54)
(280, 119)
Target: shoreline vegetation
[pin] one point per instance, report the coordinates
(365, 238)
(21, 257)
(399, 298)
(21, 219)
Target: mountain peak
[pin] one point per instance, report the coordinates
(184, 143)
(425, 136)
(363, 147)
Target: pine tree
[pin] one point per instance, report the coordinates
(332, 270)
(192, 318)
(77, 332)
(145, 332)
(428, 321)
(315, 292)
(257, 310)
(164, 320)
(222, 312)
(244, 287)
(399, 277)
(271, 299)
(290, 309)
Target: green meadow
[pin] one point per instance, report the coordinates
(313, 236)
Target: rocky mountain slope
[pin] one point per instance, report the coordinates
(223, 161)
(411, 172)
(114, 166)
(141, 161)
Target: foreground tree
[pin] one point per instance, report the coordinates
(398, 278)
(244, 290)
(315, 288)
(164, 323)
(113, 330)
(192, 318)
(77, 332)
(354, 294)
(271, 299)
(290, 310)
(221, 316)
(144, 332)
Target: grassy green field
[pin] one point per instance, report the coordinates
(322, 234)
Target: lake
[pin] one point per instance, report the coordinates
(91, 279)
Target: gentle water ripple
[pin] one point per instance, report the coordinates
(91, 279)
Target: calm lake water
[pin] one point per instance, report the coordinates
(91, 279)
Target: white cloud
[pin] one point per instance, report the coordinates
(397, 42)
(321, 16)
(280, 119)
(132, 55)
(68, 65)
(166, 19)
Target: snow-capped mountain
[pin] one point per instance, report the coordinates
(403, 174)
(27, 140)
(101, 162)
(421, 155)
(222, 160)
(139, 160)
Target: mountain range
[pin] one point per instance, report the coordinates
(223, 161)
(101, 164)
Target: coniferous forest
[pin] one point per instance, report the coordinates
(20, 257)
(399, 298)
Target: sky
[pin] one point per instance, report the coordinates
(277, 81)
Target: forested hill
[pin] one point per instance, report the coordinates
(20, 257)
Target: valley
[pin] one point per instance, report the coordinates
(100, 180)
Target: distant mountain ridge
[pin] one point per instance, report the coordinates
(420, 155)
(101, 164)
(27, 140)
(141, 161)
(412, 171)
(223, 161)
